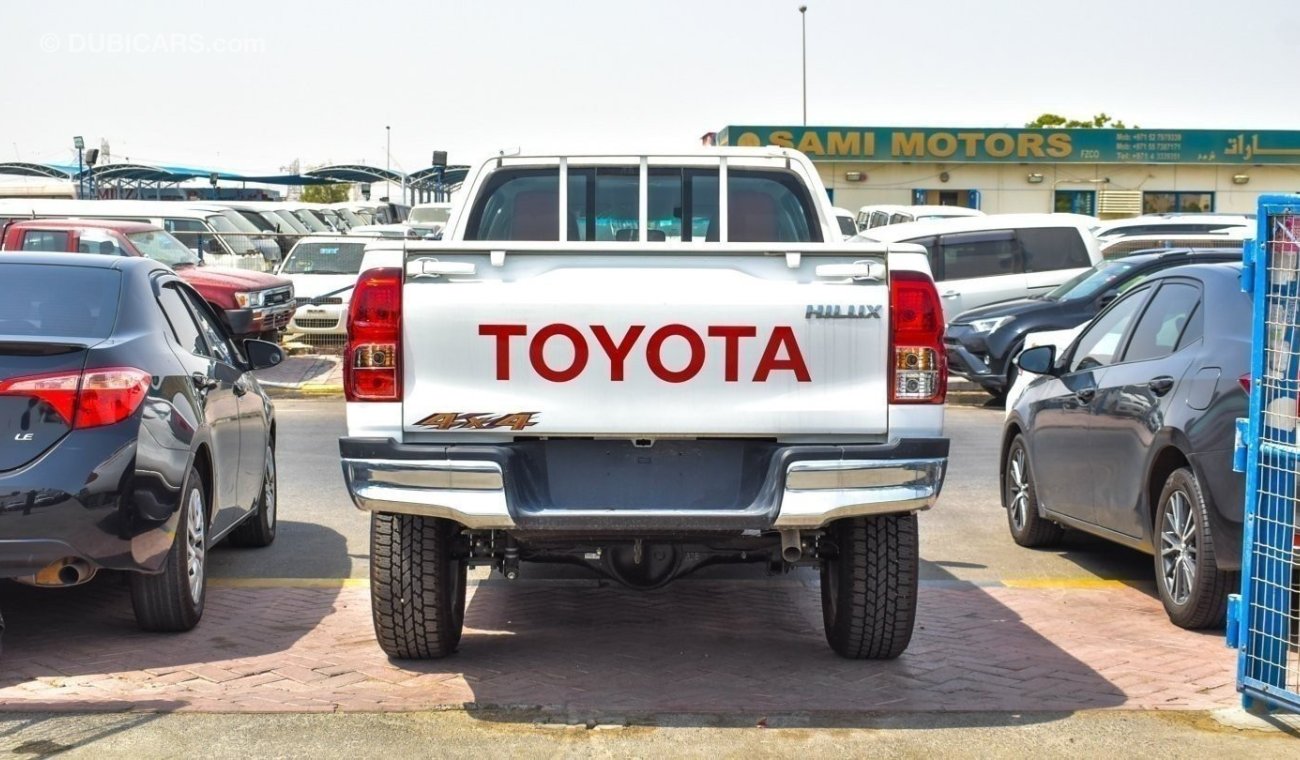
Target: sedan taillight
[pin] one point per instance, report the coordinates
(372, 363)
(93, 398)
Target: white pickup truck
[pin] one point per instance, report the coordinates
(645, 365)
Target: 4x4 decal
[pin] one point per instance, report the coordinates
(479, 420)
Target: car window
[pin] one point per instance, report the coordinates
(847, 227)
(1098, 344)
(878, 219)
(931, 246)
(95, 241)
(218, 346)
(188, 231)
(521, 204)
(900, 218)
(1050, 248)
(45, 240)
(681, 204)
(309, 257)
(47, 300)
(769, 207)
(604, 204)
(185, 329)
(1162, 324)
(980, 254)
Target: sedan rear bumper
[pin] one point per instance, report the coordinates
(83, 499)
(608, 486)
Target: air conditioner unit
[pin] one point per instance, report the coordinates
(1119, 202)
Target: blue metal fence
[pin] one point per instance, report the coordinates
(1263, 620)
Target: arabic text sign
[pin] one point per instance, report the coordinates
(1090, 146)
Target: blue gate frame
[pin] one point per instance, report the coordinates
(1262, 620)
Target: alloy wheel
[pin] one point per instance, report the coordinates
(268, 488)
(1178, 548)
(196, 544)
(1018, 483)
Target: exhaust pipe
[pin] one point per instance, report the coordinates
(69, 571)
(791, 546)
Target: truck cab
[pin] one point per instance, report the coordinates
(252, 304)
(645, 365)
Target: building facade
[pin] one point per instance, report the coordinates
(1109, 173)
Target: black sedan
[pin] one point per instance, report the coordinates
(132, 436)
(981, 343)
(1128, 435)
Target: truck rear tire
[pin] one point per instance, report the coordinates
(417, 586)
(869, 586)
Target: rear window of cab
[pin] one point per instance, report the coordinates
(603, 204)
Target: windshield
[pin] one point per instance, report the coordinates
(234, 237)
(324, 258)
(310, 220)
(257, 220)
(163, 248)
(332, 219)
(1089, 283)
(352, 219)
(241, 224)
(426, 214)
(286, 222)
(367, 216)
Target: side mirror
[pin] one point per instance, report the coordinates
(262, 354)
(1040, 360)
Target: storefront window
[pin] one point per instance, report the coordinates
(945, 197)
(1075, 202)
(1167, 202)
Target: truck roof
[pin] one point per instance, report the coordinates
(102, 224)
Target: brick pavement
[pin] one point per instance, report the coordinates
(696, 647)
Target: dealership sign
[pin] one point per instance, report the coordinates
(1092, 146)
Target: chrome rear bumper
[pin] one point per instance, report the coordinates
(486, 487)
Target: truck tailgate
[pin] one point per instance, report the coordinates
(633, 344)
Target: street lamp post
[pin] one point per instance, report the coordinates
(79, 144)
(388, 157)
(803, 37)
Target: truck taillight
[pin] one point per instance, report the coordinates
(93, 398)
(918, 366)
(372, 364)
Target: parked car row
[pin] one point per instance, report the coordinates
(248, 303)
(148, 349)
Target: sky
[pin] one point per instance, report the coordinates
(252, 86)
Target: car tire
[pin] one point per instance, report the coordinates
(869, 585)
(172, 600)
(417, 586)
(258, 529)
(1192, 588)
(1020, 499)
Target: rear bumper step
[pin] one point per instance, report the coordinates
(611, 485)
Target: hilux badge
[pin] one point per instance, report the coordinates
(836, 311)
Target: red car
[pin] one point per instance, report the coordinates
(251, 303)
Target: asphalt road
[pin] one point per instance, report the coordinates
(964, 538)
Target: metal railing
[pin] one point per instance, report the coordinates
(1263, 622)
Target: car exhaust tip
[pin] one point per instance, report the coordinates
(791, 546)
(69, 571)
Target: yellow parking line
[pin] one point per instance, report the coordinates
(289, 582)
(1064, 583)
